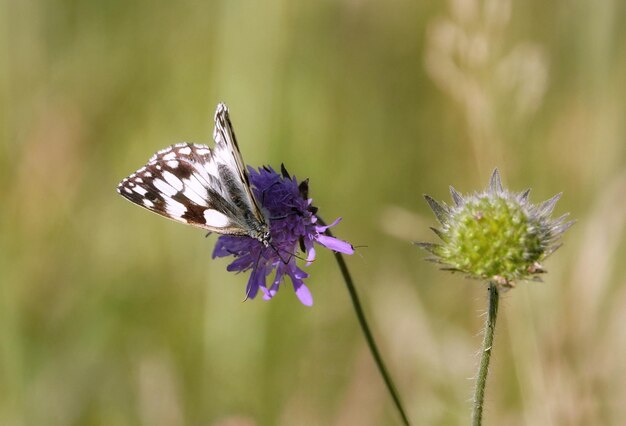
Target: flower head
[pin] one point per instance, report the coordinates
(495, 234)
(293, 225)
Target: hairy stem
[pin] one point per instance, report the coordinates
(371, 343)
(483, 369)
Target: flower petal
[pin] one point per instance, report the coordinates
(309, 249)
(297, 275)
(335, 244)
(310, 255)
(252, 288)
(256, 281)
(268, 294)
(304, 294)
(325, 227)
(240, 264)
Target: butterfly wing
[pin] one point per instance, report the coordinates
(200, 186)
(229, 160)
(181, 182)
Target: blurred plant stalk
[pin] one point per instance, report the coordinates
(369, 338)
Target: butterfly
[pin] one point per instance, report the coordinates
(203, 187)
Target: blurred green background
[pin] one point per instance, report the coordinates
(110, 315)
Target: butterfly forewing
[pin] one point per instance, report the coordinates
(199, 186)
(227, 153)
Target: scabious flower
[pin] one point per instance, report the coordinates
(495, 234)
(293, 226)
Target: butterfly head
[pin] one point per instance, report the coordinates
(265, 238)
(262, 232)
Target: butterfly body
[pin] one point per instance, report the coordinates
(203, 187)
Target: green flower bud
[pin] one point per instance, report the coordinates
(495, 235)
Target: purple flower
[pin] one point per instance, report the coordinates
(293, 226)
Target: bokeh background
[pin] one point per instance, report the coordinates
(112, 316)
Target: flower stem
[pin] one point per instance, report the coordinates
(371, 343)
(483, 369)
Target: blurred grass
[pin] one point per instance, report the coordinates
(112, 316)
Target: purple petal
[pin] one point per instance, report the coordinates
(310, 255)
(304, 295)
(256, 281)
(269, 293)
(296, 274)
(309, 248)
(252, 288)
(220, 249)
(335, 244)
(240, 264)
(325, 227)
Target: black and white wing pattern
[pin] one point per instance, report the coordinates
(200, 186)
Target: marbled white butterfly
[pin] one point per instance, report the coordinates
(200, 186)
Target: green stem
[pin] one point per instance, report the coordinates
(371, 343)
(483, 369)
